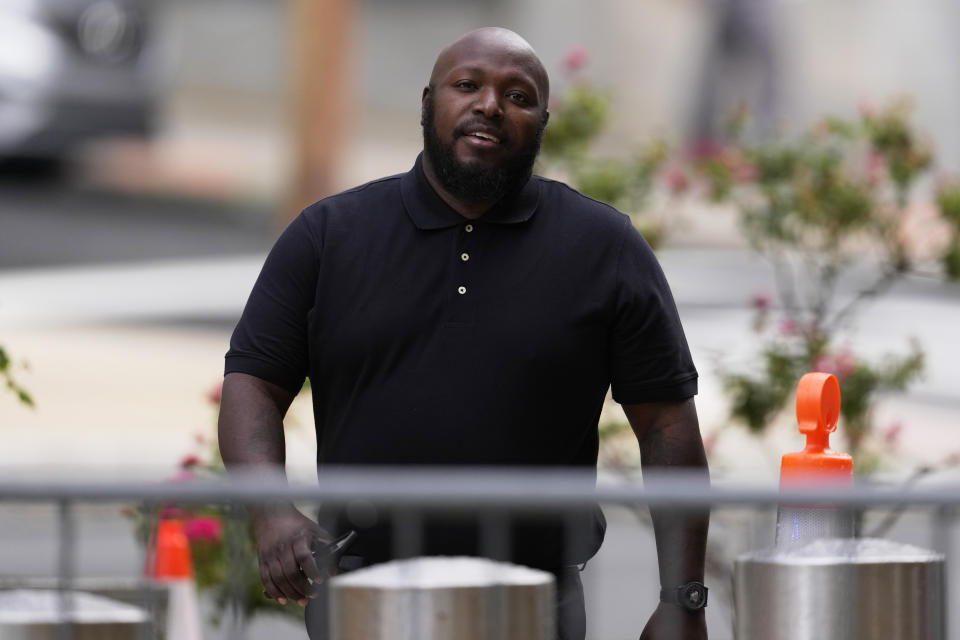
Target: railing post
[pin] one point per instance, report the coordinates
(66, 567)
(234, 532)
(943, 542)
(407, 532)
(495, 534)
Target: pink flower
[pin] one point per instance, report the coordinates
(677, 180)
(761, 301)
(876, 168)
(575, 59)
(184, 475)
(867, 109)
(705, 149)
(840, 364)
(203, 529)
(190, 461)
(824, 364)
(892, 435)
(746, 172)
(922, 232)
(846, 363)
(215, 393)
(739, 166)
(788, 328)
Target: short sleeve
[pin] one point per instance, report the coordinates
(650, 359)
(270, 341)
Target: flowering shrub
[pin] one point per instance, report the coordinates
(825, 209)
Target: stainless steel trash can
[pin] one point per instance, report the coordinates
(36, 614)
(439, 598)
(840, 589)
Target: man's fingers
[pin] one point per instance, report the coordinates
(304, 557)
(284, 583)
(276, 567)
(290, 568)
(287, 566)
(270, 590)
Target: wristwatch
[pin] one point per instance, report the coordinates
(692, 596)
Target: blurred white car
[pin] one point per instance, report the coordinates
(72, 70)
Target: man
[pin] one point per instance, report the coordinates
(467, 313)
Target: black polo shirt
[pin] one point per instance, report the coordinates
(432, 339)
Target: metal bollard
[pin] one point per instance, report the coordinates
(440, 598)
(36, 614)
(840, 589)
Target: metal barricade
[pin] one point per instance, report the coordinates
(409, 493)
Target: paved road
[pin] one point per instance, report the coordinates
(46, 222)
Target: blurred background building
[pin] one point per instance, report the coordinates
(220, 78)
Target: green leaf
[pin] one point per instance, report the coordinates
(606, 181)
(951, 259)
(575, 122)
(948, 199)
(25, 398)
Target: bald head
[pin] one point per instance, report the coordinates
(493, 41)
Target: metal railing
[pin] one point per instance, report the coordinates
(407, 493)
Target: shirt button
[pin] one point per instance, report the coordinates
(461, 290)
(468, 228)
(464, 256)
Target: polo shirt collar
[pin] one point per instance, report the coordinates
(427, 209)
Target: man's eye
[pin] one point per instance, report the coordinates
(518, 97)
(466, 84)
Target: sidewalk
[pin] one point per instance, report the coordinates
(121, 358)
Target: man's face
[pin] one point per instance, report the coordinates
(483, 119)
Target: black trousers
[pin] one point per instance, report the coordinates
(571, 614)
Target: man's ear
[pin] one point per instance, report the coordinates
(423, 102)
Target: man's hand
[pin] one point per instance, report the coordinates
(251, 441)
(286, 540)
(670, 622)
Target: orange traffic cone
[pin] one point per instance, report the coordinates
(172, 564)
(818, 409)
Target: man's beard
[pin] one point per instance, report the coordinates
(476, 184)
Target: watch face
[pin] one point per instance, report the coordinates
(694, 596)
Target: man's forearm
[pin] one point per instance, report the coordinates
(681, 538)
(673, 443)
(251, 439)
(250, 427)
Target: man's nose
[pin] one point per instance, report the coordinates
(488, 103)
